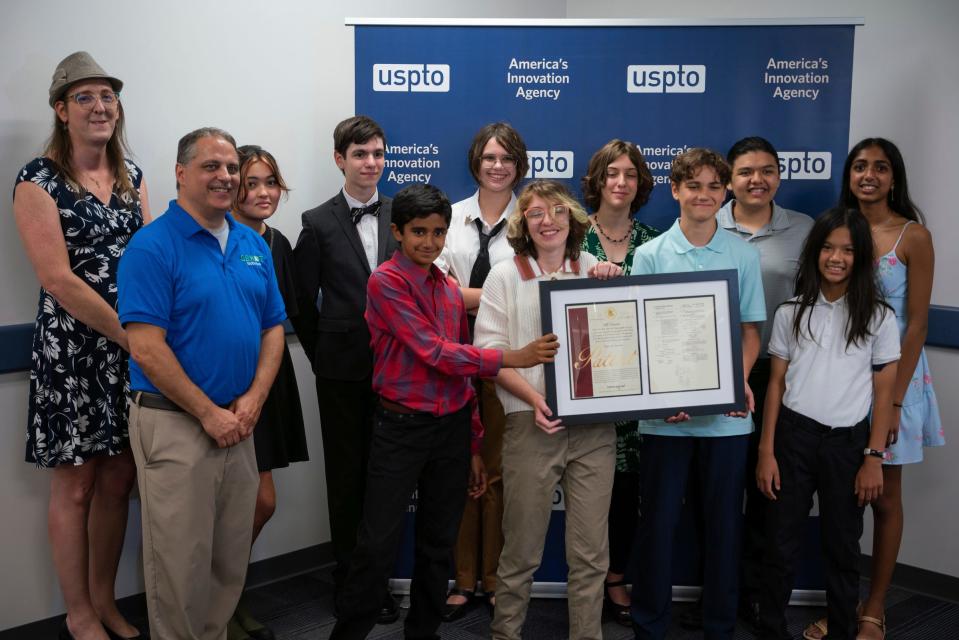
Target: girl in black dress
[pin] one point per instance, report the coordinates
(279, 436)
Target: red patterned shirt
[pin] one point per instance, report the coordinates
(422, 358)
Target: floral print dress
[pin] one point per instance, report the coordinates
(79, 380)
(627, 432)
(919, 424)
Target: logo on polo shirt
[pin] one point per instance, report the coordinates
(666, 78)
(805, 165)
(251, 260)
(550, 164)
(430, 78)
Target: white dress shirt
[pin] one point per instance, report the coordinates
(367, 227)
(827, 380)
(462, 240)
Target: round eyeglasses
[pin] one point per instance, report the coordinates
(559, 213)
(504, 161)
(87, 99)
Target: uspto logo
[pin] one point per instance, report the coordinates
(805, 165)
(431, 78)
(666, 78)
(550, 164)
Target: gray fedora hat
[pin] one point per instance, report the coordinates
(74, 68)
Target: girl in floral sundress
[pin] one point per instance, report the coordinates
(874, 181)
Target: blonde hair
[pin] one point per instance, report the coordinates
(517, 233)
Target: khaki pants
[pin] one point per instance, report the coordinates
(581, 458)
(480, 538)
(197, 506)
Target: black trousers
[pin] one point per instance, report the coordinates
(409, 451)
(814, 458)
(755, 523)
(346, 421)
(623, 516)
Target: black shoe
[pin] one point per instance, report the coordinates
(113, 635)
(619, 612)
(490, 601)
(389, 612)
(453, 612)
(692, 618)
(749, 615)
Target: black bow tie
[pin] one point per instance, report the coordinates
(358, 212)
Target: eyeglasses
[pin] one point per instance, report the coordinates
(86, 99)
(559, 213)
(491, 160)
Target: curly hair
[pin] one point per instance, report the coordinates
(553, 192)
(595, 178)
(687, 165)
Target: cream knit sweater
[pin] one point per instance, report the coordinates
(509, 317)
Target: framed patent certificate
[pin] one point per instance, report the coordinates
(644, 346)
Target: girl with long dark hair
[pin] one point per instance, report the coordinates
(279, 436)
(874, 182)
(833, 353)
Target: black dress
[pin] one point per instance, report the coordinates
(280, 437)
(79, 379)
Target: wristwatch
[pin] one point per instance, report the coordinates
(875, 453)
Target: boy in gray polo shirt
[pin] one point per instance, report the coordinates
(779, 235)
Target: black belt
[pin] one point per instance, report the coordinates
(154, 401)
(396, 407)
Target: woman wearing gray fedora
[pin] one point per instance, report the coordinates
(76, 207)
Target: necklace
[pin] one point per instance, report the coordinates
(888, 222)
(602, 232)
(546, 271)
(95, 181)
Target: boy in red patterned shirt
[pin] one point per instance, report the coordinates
(427, 425)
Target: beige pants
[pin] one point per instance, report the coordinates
(581, 458)
(480, 538)
(197, 506)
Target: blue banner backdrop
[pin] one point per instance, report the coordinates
(570, 89)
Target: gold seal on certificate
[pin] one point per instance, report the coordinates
(604, 349)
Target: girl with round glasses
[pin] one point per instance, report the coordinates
(76, 208)
(546, 231)
(476, 241)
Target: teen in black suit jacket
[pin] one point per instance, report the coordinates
(332, 271)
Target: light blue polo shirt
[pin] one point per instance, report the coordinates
(672, 253)
(213, 305)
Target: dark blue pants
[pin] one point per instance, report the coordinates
(814, 458)
(409, 451)
(665, 468)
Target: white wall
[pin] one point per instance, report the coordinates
(281, 75)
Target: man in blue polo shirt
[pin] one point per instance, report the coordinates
(716, 444)
(199, 300)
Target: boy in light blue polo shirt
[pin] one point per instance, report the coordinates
(716, 444)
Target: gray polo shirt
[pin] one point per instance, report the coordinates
(780, 243)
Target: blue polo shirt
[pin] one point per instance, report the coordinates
(672, 253)
(213, 305)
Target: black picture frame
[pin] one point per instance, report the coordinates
(659, 286)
